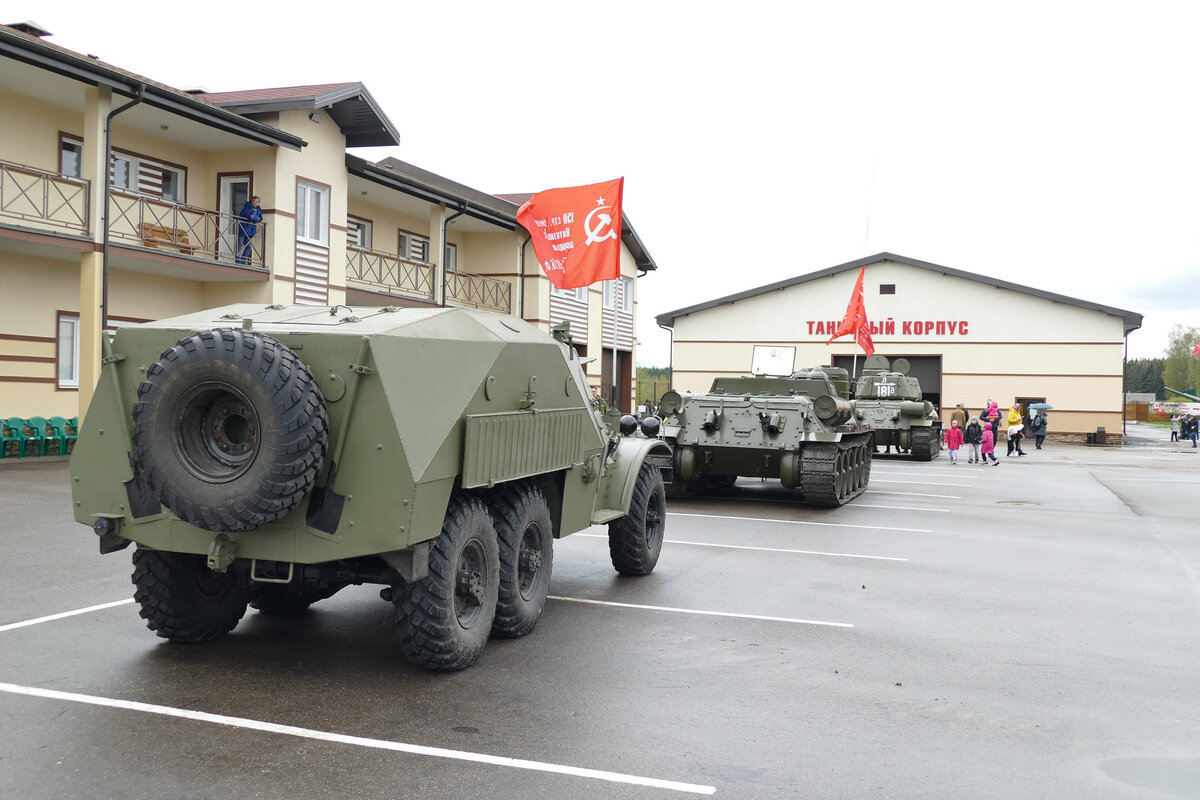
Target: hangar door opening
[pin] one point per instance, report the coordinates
(926, 369)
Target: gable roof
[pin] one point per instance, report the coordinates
(30, 49)
(1132, 319)
(350, 105)
(629, 235)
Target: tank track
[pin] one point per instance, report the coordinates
(834, 473)
(926, 443)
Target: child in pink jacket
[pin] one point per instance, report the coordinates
(989, 444)
(954, 440)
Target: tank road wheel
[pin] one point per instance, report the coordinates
(925, 445)
(229, 429)
(525, 535)
(183, 600)
(833, 474)
(635, 540)
(444, 619)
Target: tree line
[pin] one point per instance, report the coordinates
(1178, 368)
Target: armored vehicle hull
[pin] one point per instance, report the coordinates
(891, 404)
(270, 456)
(798, 429)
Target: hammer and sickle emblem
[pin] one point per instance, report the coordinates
(593, 234)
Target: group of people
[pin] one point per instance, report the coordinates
(979, 434)
(1185, 425)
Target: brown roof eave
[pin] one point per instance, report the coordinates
(30, 50)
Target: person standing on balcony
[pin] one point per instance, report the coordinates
(247, 228)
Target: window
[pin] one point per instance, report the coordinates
(413, 247)
(609, 294)
(579, 294)
(71, 151)
(172, 185)
(451, 259)
(626, 295)
(68, 352)
(887, 288)
(122, 172)
(312, 213)
(358, 233)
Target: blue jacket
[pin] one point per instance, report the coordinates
(252, 215)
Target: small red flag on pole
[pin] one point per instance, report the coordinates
(1196, 349)
(576, 232)
(855, 322)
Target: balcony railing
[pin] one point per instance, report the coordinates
(45, 199)
(183, 229)
(387, 272)
(476, 292)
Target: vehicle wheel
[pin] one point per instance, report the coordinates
(635, 540)
(525, 535)
(444, 619)
(183, 600)
(286, 598)
(230, 429)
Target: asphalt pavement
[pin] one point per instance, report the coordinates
(959, 631)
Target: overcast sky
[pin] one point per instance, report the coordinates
(1052, 144)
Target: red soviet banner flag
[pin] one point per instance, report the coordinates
(1196, 349)
(576, 232)
(855, 322)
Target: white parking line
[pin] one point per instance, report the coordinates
(703, 613)
(926, 483)
(914, 494)
(801, 522)
(14, 625)
(901, 508)
(781, 550)
(359, 741)
(968, 476)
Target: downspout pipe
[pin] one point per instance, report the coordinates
(446, 246)
(521, 279)
(107, 192)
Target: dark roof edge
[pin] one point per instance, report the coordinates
(1132, 319)
(87, 70)
(436, 189)
(316, 100)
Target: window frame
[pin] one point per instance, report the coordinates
(71, 381)
(360, 229)
(626, 295)
(404, 246)
(578, 294)
(321, 191)
(77, 145)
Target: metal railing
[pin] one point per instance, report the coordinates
(184, 230)
(387, 272)
(36, 196)
(475, 292)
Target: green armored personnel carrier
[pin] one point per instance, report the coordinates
(269, 456)
(799, 429)
(891, 404)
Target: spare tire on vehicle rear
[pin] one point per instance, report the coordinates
(230, 429)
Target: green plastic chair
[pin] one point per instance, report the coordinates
(43, 434)
(66, 434)
(14, 431)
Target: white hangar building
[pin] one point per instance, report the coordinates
(969, 338)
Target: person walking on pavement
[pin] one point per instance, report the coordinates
(988, 448)
(954, 440)
(991, 414)
(959, 414)
(973, 436)
(1015, 425)
(1038, 428)
(1191, 428)
(1175, 420)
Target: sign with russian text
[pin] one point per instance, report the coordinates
(576, 232)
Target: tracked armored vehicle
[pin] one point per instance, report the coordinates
(890, 402)
(799, 429)
(269, 456)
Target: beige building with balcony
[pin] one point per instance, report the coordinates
(84, 248)
(968, 337)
